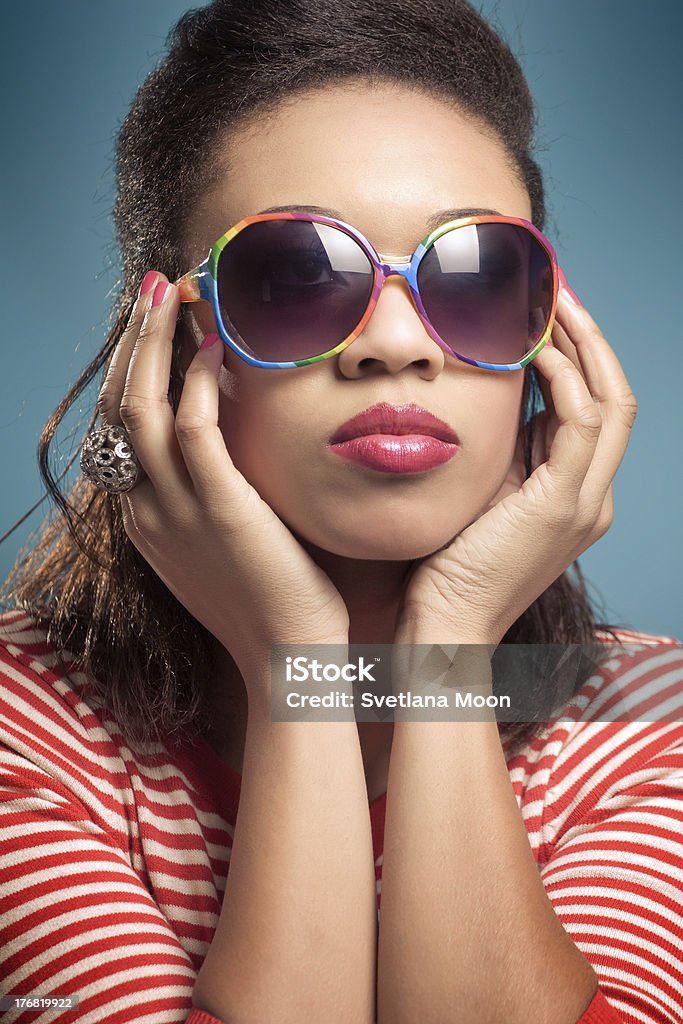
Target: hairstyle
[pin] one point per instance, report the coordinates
(227, 64)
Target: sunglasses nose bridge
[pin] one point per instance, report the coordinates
(402, 268)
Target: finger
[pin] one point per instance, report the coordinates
(145, 408)
(578, 422)
(212, 471)
(563, 342)
(109, 398)
(559, 340)
(611, 392)
(546, 421)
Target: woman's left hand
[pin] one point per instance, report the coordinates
(474, 589)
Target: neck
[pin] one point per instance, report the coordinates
(371, 590)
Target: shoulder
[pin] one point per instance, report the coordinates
(53, 734)
(623, 727)
(38, 688)
(638, 678)
(54, 727)
(622, 740)
(639, 681)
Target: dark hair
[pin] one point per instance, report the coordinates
(229, 62)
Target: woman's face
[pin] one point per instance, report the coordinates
(386, 160)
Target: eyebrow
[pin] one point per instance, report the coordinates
(433, 222)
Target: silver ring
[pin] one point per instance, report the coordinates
(108, 460)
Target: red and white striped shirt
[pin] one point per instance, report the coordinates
(113, 862)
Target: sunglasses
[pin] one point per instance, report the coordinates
(289, 289)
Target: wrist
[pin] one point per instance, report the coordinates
(420, 626)
(440, 670)
(307, 683)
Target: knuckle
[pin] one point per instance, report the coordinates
(135, 411)
(563, 517)
(145, 328)
(177, 520)
(603, 524)
(595, 333)
(551, 506)
(189, 426)
(589, 519)
(556, 511)
(194, 368)
(629, 407)
(106, 402)
(605, 516)
(582, 522)
(134, 325)
(131, 332)
(589, 424)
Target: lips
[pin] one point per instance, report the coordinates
(385, 418)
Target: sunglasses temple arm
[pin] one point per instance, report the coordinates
(193, 285)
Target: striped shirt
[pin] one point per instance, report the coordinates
(113, 861)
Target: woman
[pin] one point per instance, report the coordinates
(526, 871)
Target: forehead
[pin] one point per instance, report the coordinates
(386, 158)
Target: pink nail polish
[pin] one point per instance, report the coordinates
(572, 296)
(159, 293)
(209, 340)
(147, 282)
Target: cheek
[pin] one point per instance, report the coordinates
(264, 444)
(492, 438)
(496, 434)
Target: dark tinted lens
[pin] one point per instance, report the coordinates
(292, 289)
(488, 289)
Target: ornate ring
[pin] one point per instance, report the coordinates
(108, 460)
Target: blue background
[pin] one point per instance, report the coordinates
(607, 83)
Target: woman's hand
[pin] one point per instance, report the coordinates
(206, 532)
(473, 590)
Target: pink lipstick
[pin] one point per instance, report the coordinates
(395, 439)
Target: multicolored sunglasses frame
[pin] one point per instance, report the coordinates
(202, 283)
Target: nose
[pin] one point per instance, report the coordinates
(395, 336)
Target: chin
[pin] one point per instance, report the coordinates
(384, 545)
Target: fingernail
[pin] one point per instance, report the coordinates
(572, 296)
(209, 340)
(160, 293)
(147, 282)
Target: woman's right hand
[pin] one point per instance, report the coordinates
(206, 532)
